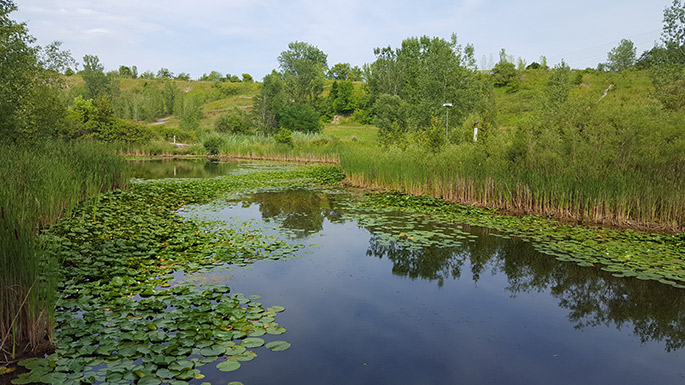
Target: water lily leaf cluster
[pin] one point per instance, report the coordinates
(625, 253)
(122, 318)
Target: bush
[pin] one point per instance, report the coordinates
(213, 144)
(284, 136)
(300, 117)
(235, 121)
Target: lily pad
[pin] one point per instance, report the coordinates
(278, 346)
(228, 366)
(252, 342)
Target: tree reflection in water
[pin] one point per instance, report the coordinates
(656, 312)
(300, 210)
(592, 296)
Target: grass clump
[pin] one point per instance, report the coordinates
(40, 183)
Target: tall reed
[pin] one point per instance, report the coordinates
(467, 174)
(40, 183)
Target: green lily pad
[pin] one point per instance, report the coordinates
(252, 342)
(278, 346)
(228, 366)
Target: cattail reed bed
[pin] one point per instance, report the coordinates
(648, 200)
(40, 183)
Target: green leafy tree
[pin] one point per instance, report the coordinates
(300, 117)
(341, 98)
(125, 71)
(391, 118)
(247, 78)
(182, 76)
(97, 82)
(504, 74)
(30, 100)
(53, 58)
(425, 73)
(622, 56)
(213, 76)
(340, 71)
(303, 68)
(384, 75)
(558, 86)
(191, 114)
(667, 63)
(164, 73)
(673, 33)
(169, 94)
(269, 102)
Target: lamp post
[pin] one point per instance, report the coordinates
(447, 118)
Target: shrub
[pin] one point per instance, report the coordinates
(235, 121)
(213, 144)
(300, 117)
(284, 136)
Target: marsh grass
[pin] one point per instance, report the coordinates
(40, 183)
(465, 174)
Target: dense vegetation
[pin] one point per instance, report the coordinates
(39, 185)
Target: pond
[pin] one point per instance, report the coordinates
(379, 296)
(195, 168)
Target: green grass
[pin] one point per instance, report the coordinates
(40, 184)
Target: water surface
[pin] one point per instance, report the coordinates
(388, 297)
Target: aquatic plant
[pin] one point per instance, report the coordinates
(122, 316)
(40, 183)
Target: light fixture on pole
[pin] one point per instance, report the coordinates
(447, 117)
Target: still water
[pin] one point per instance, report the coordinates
(196, 168)
(382, 297)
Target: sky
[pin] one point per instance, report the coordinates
(246, 36)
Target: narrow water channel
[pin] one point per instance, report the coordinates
(381, 297)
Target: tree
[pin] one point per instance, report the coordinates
(391, 118)
(558, 86)
(125, 71)
(341, 97)
(426, 72)
(191, 114)
(622, 56)
(213, 76)
(303, 68)
(30, 100)
(667, 63)
(340, 71)
(673, 34)
(53, 58)
(164, 73)
(300, 117)
(269, 102)
(504, 74)
(247, 78)
(97, 83)
(182, 76)
(169, 93)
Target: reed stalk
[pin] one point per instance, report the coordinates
(39, 184)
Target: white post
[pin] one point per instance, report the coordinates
(447, 118)
(174, 142)
(475, 132)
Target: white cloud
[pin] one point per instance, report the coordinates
(239, 36)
